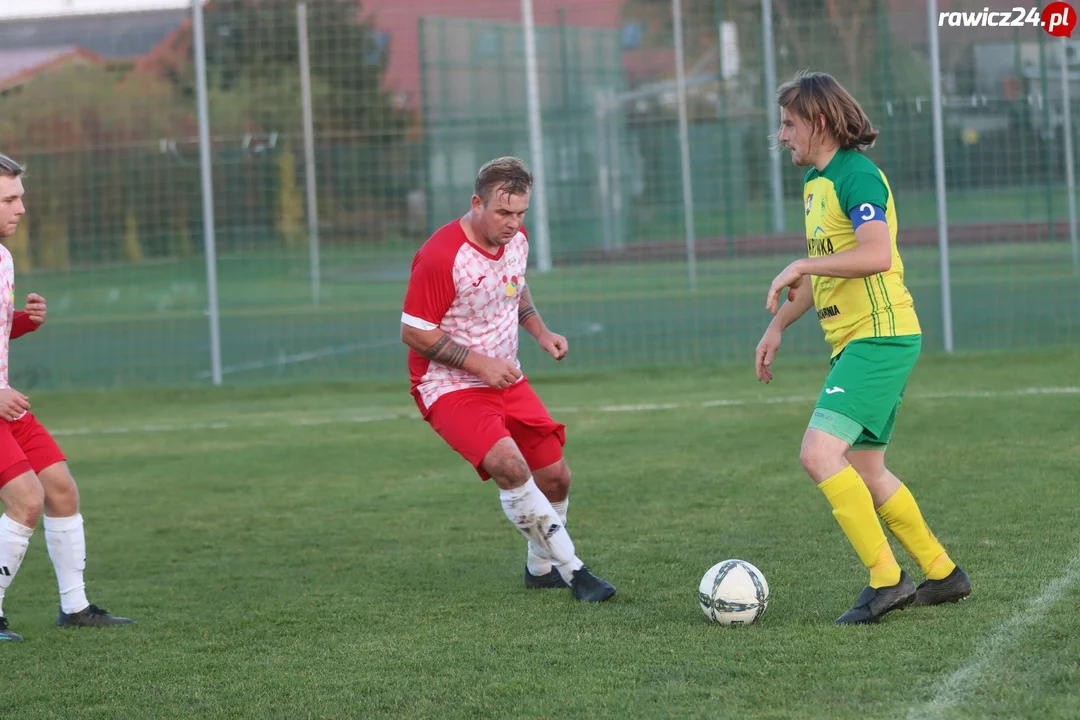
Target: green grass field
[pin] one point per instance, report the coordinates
(313, 550)
(1031, 204)
(147, 325)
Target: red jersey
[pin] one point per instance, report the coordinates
(472, 296)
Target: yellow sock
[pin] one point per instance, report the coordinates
(853, 508)
(901, 515)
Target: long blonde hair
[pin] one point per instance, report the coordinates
(814, 94)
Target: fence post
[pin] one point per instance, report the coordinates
(776, 178)
(684, 145)
(939, 177)
(541, 229)
(210, 246)
(1070, 171)
(309, 151)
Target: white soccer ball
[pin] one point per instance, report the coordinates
(733, 592)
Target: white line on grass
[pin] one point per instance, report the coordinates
(283, 359)
(650, 407)
(979, 670)
(266, 422)
(638, 408)
(785, 399)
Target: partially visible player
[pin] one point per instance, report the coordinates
(855, 278)
(33, 472)
(466, 299)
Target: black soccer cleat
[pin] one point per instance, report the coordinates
(873, 603)
(7, 633)
(550, 579)
(951, 588)
(589, 588)
(91, 616)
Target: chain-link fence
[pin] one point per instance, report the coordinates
(406, 100)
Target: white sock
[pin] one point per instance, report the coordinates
(67, 548)
(532, 514)
(560, 507)
(539, 562)
(14, 539)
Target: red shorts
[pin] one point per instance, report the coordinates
(471, 421)
(24, 446)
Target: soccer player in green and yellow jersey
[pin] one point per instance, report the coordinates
(854, 276)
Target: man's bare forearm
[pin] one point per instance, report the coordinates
(447, 352)
(795, 309)
(528, 316)
(437, 346)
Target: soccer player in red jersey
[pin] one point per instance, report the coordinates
(33, 471)
(466, 299)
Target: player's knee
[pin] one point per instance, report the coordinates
(62, 500)
(506, 465)
(807, 458)
(32, 511)
(24, 499)
(870, 472)
(515, 472)
(555, 480)
(565, 479)
(817, 461)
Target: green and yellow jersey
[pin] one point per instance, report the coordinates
(849, 191)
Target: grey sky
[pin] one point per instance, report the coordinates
(37, 8)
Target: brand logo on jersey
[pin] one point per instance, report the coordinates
(828, 312)
(816, 247)
(511, 285)
(830, 391)
(809, 202)
(479, 280)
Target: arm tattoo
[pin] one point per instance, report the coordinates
(446, 351)
(526, 309)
